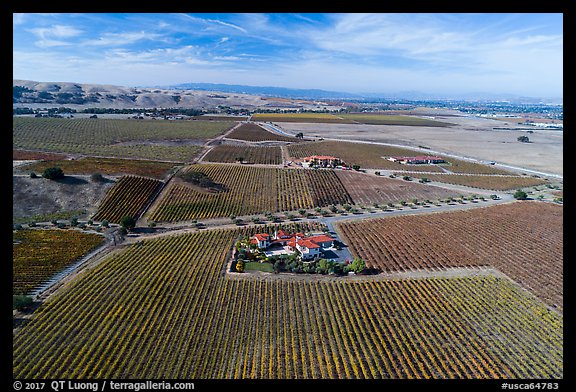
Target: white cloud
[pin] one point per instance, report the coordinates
(48, 36)
(57, 31)
(117, 39)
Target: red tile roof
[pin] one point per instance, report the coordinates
(262, 236)
(308, 244)
(282, 233)
(321, 157)
(320, 238)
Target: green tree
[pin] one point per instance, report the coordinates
(240, 266)
(323, 266)
(128, 223)
(104, 223)
(356, 167)
(347, 207)
(302, 212)
(53, 173)
(97, 177)
(520, 195)
(358, 265)
(20, 302)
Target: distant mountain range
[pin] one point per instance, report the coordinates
(285, 92)
(266, 91)
(27, 93)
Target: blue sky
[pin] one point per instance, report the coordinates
(518, 54)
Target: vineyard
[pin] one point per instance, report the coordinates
(230, 154)
(367, 189)
(110, 166)
(177, 141)
(524, 240)
(352, 118)
(388, 119)
(374, 156)
(39, 254)
(497, 183)
(248, 190)
(255, 133)
(365, 155)
(162, 309)
(300, 117)
(127, 198)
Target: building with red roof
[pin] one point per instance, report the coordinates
(324, 160)
(309, 247)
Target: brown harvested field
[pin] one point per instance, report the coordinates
(367, 189)
(523, 239)
(374, 156)
(300, 117)
(219, 118)
(271, 155)
(23, 155)
(255, 133)
(391, 119)
(110, 166)
(461, 166)
(365, 155)
(497, 183)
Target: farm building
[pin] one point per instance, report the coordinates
(309, 247)
(417, 160)
(323, 161)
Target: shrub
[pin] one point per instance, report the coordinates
(520, 195)
(20, 302)
(53, 173)
(240, 266)
(33, 175)
(97, 177)
(128, 223)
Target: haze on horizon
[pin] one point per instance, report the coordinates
(450, 54)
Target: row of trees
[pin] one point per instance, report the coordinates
(292, 263)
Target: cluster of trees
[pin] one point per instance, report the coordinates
(292, 263)
(53, 173)
(200, 179)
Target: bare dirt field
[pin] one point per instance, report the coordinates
(368, 189)
(472, 137)
(39, 196)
